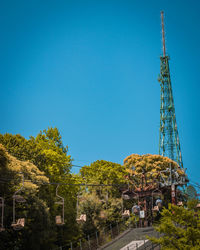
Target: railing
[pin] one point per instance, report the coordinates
(106, 236)
(97, 239)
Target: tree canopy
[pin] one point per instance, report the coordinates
(96, 191)
(41, 159)
(46, 151)
(34, 207)
(150, 166)
(179, 227)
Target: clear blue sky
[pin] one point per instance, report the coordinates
(90, 68)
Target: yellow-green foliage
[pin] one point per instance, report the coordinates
(149, 164)
(46, 151)
(36, 157)
(10, 166)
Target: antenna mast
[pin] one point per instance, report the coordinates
(169, 144)
(163, 32)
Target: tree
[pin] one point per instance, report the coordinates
(49, 156)
(179, 228)
(150, 165)
(46, 151)
(105, 173)
(102, 204)
(147, 171)
(33, 210)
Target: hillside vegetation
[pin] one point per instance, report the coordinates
(44, 162)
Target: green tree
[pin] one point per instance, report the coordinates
(47, 152)
(101, 202)
(105, 173)
(179, 228)
(34, 210)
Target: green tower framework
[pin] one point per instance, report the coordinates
(169, 143)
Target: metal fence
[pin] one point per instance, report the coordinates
(97, 239)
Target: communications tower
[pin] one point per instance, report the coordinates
(169, 143)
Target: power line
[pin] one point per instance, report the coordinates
(54, 161)
(77, 166)
(65, 184)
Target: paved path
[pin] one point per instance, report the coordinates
(135, 234)
(134, 245)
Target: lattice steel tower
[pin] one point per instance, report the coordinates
(169, 144)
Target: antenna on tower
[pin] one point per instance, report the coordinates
(163, 32)
(169, 144)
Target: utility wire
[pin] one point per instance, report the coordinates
(65, 184)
